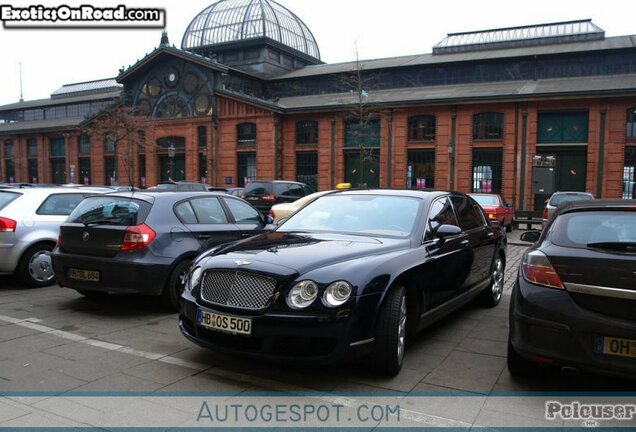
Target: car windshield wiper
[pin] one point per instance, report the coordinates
(105, 221)
(613, 245)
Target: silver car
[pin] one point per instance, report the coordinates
(29, 227)
(561, 197)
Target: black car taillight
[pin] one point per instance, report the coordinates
(537, 269)
(137, 237)
(268, 197)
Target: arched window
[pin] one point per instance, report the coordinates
(422, 128)
(488, 126)
(630, 124)
(246, 134)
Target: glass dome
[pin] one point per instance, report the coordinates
(238, 20)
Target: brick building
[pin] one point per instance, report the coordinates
(248, 97)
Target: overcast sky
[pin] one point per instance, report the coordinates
(388, 28)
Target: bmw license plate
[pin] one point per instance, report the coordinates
(615, 346)
(83, 275)
(224, 323)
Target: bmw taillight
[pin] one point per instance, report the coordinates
(137, 237)
(538, 270)
(7, 225)
(269, 197)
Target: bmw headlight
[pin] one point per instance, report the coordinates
(302, 294)
(193, 278)
(337, 294)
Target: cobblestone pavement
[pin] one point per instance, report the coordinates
(54, 340)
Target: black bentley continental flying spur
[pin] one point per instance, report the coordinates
(350, 274)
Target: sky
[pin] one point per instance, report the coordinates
(51, 58)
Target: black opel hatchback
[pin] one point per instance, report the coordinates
(574, 303)
(143, 243)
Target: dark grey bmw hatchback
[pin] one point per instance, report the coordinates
(143, 243)
(574, 303)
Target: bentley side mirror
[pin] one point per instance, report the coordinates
(530, 236)
(444, 231)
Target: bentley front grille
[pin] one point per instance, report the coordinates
(237, 289)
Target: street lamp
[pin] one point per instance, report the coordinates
(171, 154)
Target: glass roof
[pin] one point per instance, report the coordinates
(521, 36)
(238, 20)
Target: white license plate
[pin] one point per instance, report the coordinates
(83, 275)
(224, 323)
(616, 346)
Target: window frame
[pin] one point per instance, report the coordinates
(488, 126)
(426, 135)
(246, 138)
(306, 132)
(630, 123)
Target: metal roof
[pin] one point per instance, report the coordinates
(40, 125)
(516, 90)
(88, 87)
(239, 20)
(41, 103)
(581, 30)
(611, 43)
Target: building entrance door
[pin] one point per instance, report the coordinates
(172, 168)
(569, 171)
(370, 166)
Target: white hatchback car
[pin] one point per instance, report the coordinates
(29, 226)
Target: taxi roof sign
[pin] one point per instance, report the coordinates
(343, 186)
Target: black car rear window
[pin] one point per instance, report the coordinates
(580, 229)
(6, 198)
(561, 198)
(258, 188)
(110, 210)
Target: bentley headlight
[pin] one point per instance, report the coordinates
(337, 294)
(302, 294)
(193, 278)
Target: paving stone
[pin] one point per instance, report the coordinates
(405, 381)
(16, 368)
(464, 409)
(483, 346)
(203, 382)
(468, 371)
(42, 381)
(119, 383)
(76, 351)
(98, 367)
(497, 419)
(13, 331)
(10, 410)
(160, 373)
(28, 344)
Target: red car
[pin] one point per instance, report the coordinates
(495, 208)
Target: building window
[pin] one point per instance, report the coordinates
(84, 171)
(629, 174)
(307, 132)
(8, 149)
(246, 168)
(631, 123)
(142, 171)
(203, 167)
(32, 165)
(110, 171)
(246, 134)
(422, 128)
(84, 144)
(9, 165)
(307, 169)
(202, 135)
(420, 171)
(32, 147)
(367, 135)
(109, 143)
(487, 170)
(488, 126)
(58, 161)
(559, 127)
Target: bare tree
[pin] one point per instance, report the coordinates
(125, 128)
(357, 83)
